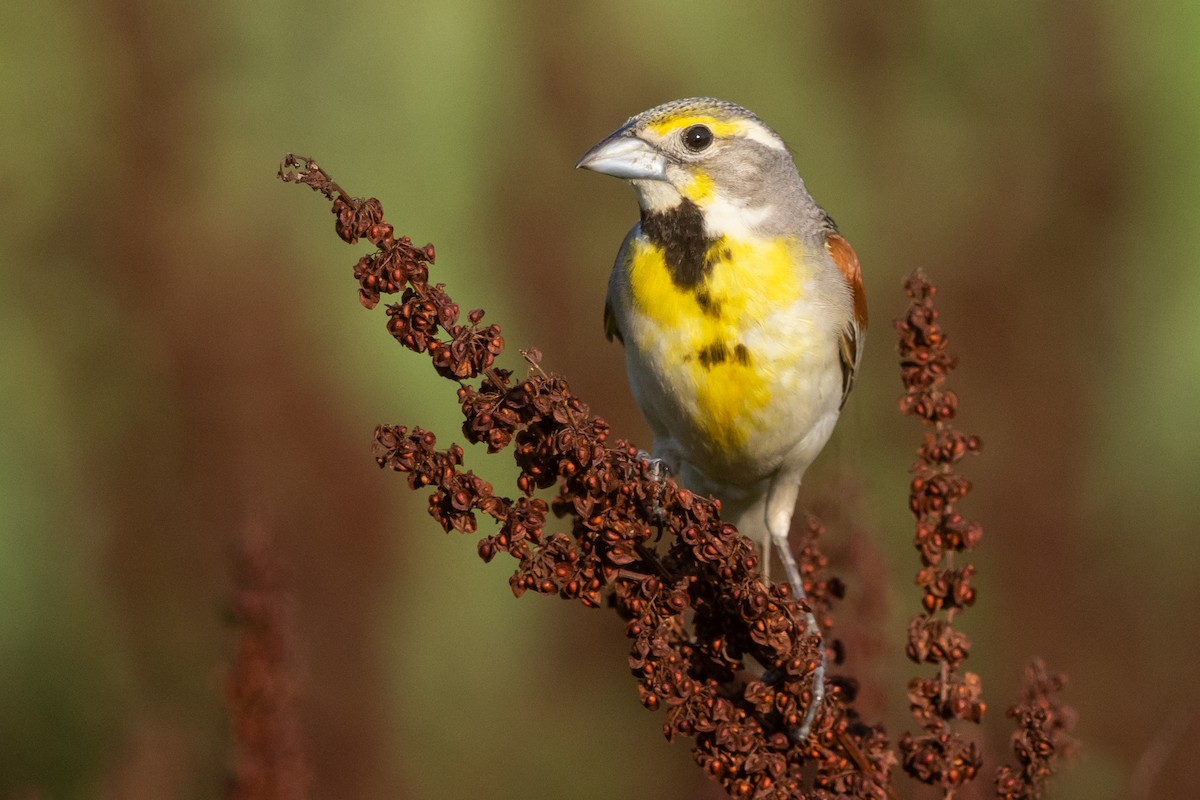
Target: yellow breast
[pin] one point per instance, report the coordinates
(712, 346)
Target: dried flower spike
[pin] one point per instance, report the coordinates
(940, 754)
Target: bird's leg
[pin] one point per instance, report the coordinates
(780, 505)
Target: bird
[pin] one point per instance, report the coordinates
(741, 310)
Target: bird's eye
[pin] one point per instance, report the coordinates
(697, 138)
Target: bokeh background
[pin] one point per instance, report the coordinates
(182, 359)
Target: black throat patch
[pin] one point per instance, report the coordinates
(679, 233)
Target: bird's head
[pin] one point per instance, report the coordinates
(712, 153)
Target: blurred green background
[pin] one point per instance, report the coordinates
(182, 357)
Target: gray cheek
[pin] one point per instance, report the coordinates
(754, 175)
(742, 181)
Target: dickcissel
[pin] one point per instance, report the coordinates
(740, 307)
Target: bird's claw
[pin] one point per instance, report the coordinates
(656, 468)
(658, 472)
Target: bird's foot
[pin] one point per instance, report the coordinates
(656, 468)
(658, 472)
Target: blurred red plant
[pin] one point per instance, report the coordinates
(269, 761)
(696, 607)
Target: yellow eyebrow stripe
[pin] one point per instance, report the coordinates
(718, 127)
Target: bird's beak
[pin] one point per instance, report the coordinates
(624, 155)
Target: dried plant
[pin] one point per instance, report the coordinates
(717, 644)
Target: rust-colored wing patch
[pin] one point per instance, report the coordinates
(847, 263)
(855, 332)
